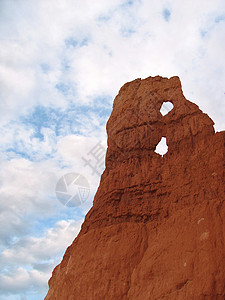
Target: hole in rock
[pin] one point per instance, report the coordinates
(166, 108)
(162, 147)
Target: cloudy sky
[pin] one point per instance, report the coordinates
(61, 65)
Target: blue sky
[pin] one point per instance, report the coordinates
(61, 65)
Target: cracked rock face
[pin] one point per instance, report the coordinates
(157, 226)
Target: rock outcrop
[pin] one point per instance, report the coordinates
(157, 226)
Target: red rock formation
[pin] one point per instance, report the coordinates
(156, 229)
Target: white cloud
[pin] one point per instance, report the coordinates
(20, 138)
(28, 184)
(28, 188)
(31, 250)
(27, 199)
(26, 191)
(37, 36)
(34, 258)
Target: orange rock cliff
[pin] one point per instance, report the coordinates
(157, 226)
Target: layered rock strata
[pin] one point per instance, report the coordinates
(157, 226)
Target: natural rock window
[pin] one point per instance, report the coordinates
(162, 147)
(166, 108)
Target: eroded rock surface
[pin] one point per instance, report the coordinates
(156, 229)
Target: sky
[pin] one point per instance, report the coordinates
(61, 65)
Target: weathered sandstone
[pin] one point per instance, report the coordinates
(157, 226)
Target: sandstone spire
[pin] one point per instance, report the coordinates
(156, 229)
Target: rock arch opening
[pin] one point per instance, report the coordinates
(162, 147)
(166, 107)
